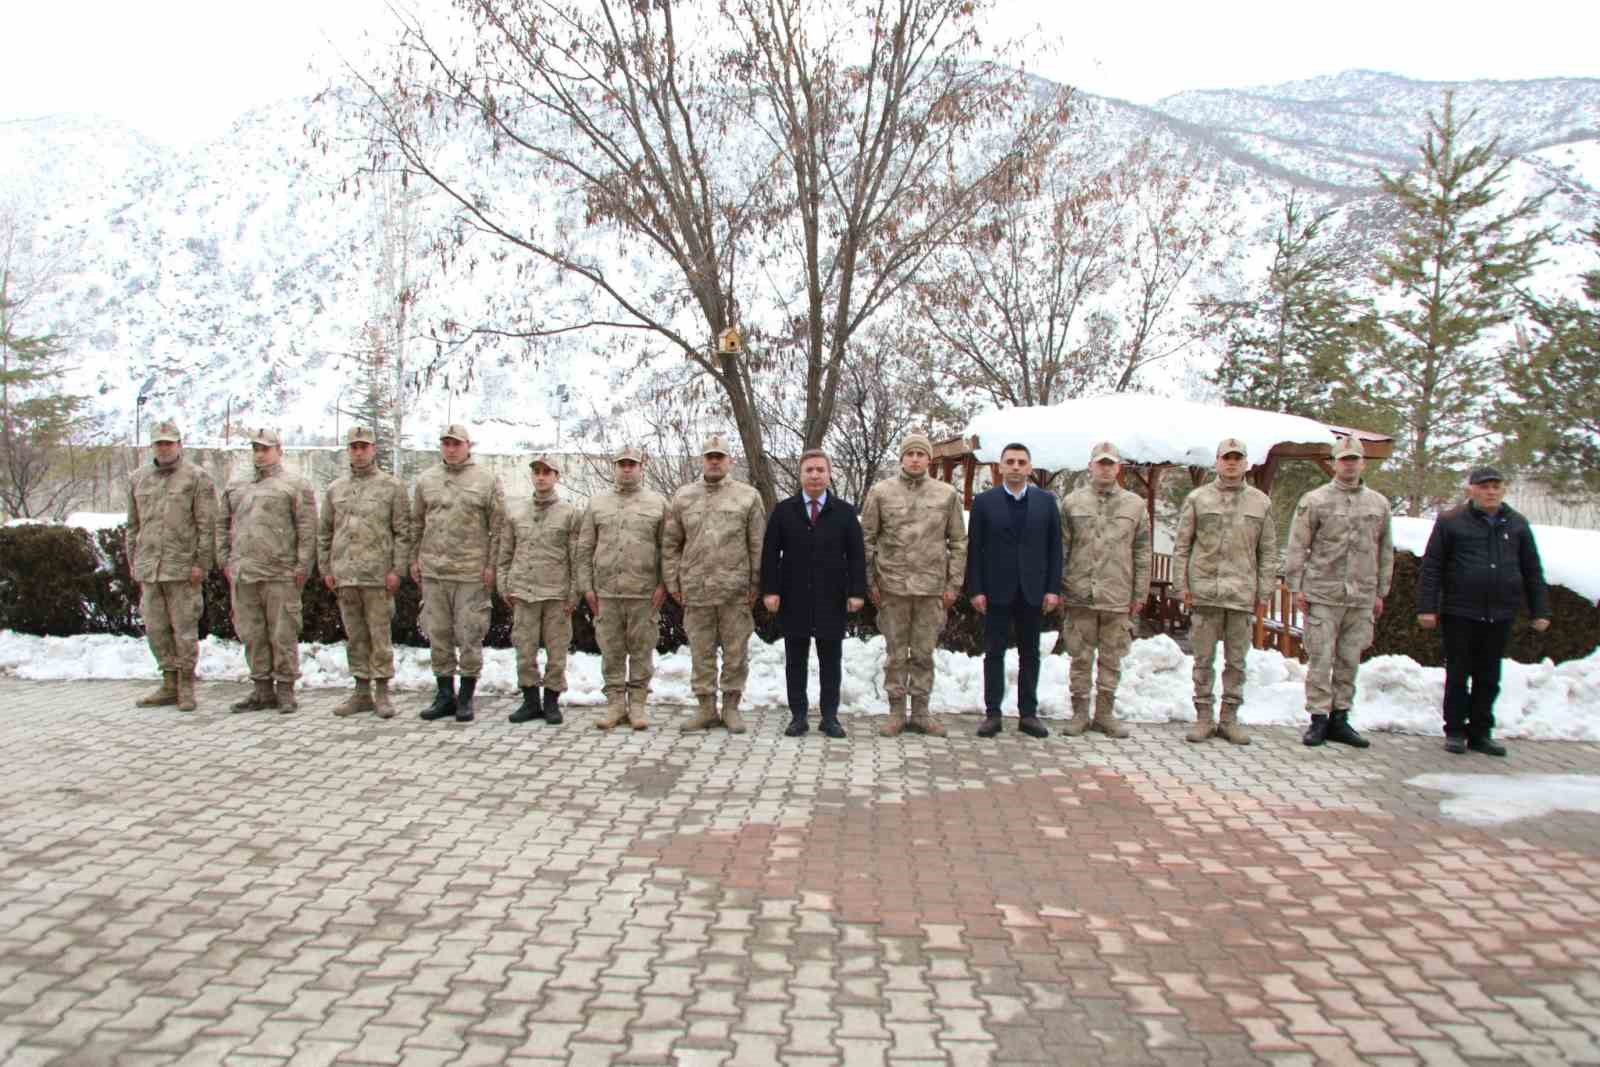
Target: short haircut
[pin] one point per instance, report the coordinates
(1017, 446)
(815, 453)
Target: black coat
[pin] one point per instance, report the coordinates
(999, 564)
(1482, 567)
(813, 570)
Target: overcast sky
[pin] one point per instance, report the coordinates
(181, 71)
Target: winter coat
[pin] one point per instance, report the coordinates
(619, 543)
(539, 551)
(711, 542)
(268, 527)
(1105, 548)
(1482, 567)
(1341, 550)
(172, 522)
(1226, 551)
(813, 569)
(915, 536)
(364, 528)
(456, 513)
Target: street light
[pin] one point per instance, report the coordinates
(138, 406)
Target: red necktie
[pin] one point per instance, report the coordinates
(813, 512)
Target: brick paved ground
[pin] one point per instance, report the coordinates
(264, 889)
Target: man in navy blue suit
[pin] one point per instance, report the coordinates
(1013, 575)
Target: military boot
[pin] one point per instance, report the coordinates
(1203, 729)
(284, 692)
(469, 686)
(705, 716)
(636, 715)
(444, 699)
(1079, 722)
(166, 694)
(1317, 732)
(381, 707)
(616, 711)
(1105, 717)
(552, 707)
(529, 709)
(730, 712)
(897, 718)
(1228, 727)
(1340, 732)
(261, 697)
(186, 701)
(358, 701)
(922, 720)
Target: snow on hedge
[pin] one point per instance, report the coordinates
(1570, 557)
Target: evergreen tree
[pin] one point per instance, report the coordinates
(37, 423)
(1452, 279)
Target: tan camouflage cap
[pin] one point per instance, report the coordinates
(166, 431)
(458, 431)
(916, 440)
(633, 452)
(1349, 446)
(360, 433)
(716, 445)
(545, 459)
(266, 437)
(1105, 450)
(1232, 444)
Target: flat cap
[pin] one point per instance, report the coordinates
(166, 430)
(545, 459)
(266, 437)
(360, 433)
(1232, 444)
(1105, 450)
(716, 445)
(1349, 447)
(458, 431)
(633, 452)
(1480, 475)
(916, 440)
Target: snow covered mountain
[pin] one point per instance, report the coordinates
(231, 275)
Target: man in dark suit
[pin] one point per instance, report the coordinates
(1013, 572)
(813, 573)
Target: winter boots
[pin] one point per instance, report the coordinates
(261, 697)
(1229, 729)
(381, 707)
(186, 701)
(730, 712)
(284, 694)
(552, 707)
(1079, 723)
(922, 720)
(444, 700)
(705, 716)
(1340, 732)
(896, 721)
(163, 696)
(464, 699)
(530, 707)
(358, 701)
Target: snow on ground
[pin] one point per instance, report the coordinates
(1147, 429)
(1492, 799)
(1570, 557)
(1542, 701)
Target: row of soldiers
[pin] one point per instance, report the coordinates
(712, 548)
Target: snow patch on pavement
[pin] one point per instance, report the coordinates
(1493, 799)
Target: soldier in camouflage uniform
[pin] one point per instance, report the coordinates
(1105, 545)
(711, 560)
(267, 540)
(916, 548)
(456, 514)
(1339, 564)
(538, 574)
(172, 517)
(619, 570)
(1224, 564)
(363, 546)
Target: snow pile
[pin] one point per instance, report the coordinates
(1570, 557)
(1539, 701)
(1492, 799)
(1147, 429)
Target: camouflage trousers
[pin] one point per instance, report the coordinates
(267, 616)
(367, 612)
(171, 612)
(910, 626)
(1335, 637)
(1097, 641)
(714, 626)
(535, 623)
(1207, 626)
(627, 630)
(455, 616)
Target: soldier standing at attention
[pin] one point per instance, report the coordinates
(538, 574)
(172, 518)
(1223, 565)
(711, 560)
(456, 512)
(267, 540)
(1105, 543)
(916, 559)
(619, 570)
(363, 546)
(1339, 563)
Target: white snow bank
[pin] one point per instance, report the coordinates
(1570, 557)
(88, 520)
(1492, 799)
(1147, 429)
(1540, 701)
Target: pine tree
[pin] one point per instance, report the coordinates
(37, 423)
(1451, 282)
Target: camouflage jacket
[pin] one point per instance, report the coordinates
(539, 551)
(364, 528)
(1340, 546)
(268, 528)
(1105, 549)
(711, 544)
(1226, 552)
(916, 537)
(456, 516)
(619, 547)
(172, 522)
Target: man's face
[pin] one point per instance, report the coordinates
(1015, 466)
(167, 451)
(915, 461)
(265, 455)
(454, 450)
(361, 454)
(1487, 495)
(715, 465)
(1231, 465)
(629, 471)
(545, 478)
(814, 476)
(1103, 472)
(1348, 468)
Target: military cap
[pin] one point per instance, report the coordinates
(166, 431)
(1349, 447)
(1232, 444)
(458, 431)
(361, 433)
(545, 459)
(266, 437)
(1480, 475)
(916, 440)
(1105, 450)
(716, 445)
(633, 452)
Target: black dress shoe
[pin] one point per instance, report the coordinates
(1487, 746)
(1340, 732)
(1455, 743)
(1316, 733)
(990, 727)
(797, 727)
(830, 726)
(1031, 726)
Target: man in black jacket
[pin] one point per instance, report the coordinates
(1013, 574)
(1481, 566)
(813, 573)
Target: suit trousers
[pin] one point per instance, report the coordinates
(1473, 652)
(998, 622)
(797, 669)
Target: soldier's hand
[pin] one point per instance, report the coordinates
(658, 598)
(755, 595)
(1051, 602)
(1261, 607)
(299, 579)
(853, 605)
(391, 582)
(569, 606)
(1377, 609)
(327, 582)
(511, 600)
(594, 605)
(1427, 622)
(416, 573)
(980, 604)
(949, 599)
(677, 598)
(877, 598)
(227, 572)
(1301, 603)
(1133, 607)
(1188, 600)
(195, 575)
(771, 600)
(1541, 625)
(488, 578)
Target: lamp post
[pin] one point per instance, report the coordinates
(138, 406)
